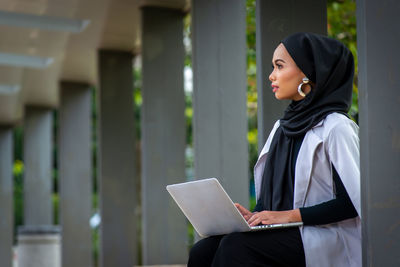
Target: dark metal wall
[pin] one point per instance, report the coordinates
(378, 39)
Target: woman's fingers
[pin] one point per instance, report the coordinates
(266, 217)
(242, 210)
(270, 217)
(255, 219)
(260, 217)
(247, 217)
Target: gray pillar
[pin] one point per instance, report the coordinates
(219, 96)
(38, 180)
(379, 79)
(117, 160)
(6, 196)
(274, 22)
(75, 173)
(163, 136)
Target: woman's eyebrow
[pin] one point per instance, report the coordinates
(277, 60)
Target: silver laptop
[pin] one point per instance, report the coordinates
(211, 211)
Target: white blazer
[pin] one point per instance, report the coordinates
(333, 140)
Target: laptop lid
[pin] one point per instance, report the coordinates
(208, 207)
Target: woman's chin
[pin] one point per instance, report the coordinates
(278, 96)
(285, 97)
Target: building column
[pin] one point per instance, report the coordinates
(379, 102)
(163, 136)
(116, 160)
(274, 23)
(38, 180)
(34, 246)
(75, 173)
(219, 96)
(6, 196)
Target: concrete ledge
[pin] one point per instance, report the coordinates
(39, 230)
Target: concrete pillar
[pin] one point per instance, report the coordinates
(379, 101)
(6, 196)
(39, 246)
(75, 173)
(116, 160)
(38, 184)
(163, 136)
(219, 96)
(274, 21)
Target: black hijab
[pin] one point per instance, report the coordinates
(330, 66)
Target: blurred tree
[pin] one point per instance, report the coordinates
(18, 170)
(251, 91)
(342, 26)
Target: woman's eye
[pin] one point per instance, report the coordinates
(278, 66)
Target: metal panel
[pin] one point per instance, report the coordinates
(6, 196)
(38, 179)
(117, 160)
(75, 174)
(163, 136)
(379, 80)
(219, 96)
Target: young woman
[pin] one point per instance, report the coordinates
(307, 171)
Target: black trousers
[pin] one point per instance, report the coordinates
(278, 247)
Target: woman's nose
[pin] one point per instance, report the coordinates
(271, 77)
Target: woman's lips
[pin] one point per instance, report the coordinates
(274, 88)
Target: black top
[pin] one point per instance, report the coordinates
(337, 209)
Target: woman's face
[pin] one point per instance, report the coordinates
(285, 76)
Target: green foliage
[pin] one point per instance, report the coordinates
(187, 35)
(251, 63)
(137, 99)
(253, 202)
(191, 235)
(18, 170)
(342, 26)
(96, 245)
(18, 143)
(251, 84)
(189, 120)
(55, 198)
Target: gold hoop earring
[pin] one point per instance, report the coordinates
(305, 81)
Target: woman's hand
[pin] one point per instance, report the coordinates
(245, 212)
(271, 217)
